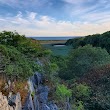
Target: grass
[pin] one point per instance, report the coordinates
(60, 50)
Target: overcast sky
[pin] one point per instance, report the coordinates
(55, 17)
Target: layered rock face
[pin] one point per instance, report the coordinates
(38, 96)
(13, 102)
(4, 103)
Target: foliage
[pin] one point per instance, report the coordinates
(99, 81)
(75, 42)
(63, 92)
(50, 67)
(81, 91)
(27, 46)
(47, 52)
(19, 54)
(96, 40)
(33, 94)
(17, 65)
(78, 106)
(59, 60)
(11, 38)
(53, 67)
(83, 59)
(51, 71)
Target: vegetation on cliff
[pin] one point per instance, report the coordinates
(19, 55)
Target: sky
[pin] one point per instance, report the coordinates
(55, 17)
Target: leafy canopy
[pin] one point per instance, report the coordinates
(84, 59)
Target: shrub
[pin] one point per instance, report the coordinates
(20, 54)
(81, 91)
(63, 92)
(78, 106)
(16, 64)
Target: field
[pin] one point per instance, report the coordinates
(51, 41)
(57, 50)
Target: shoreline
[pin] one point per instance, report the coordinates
(52, 41)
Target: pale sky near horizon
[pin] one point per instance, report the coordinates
(55, 17)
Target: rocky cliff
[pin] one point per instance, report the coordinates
(12, 102)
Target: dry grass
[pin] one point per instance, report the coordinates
(20, 87)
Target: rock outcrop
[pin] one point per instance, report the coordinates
(13, 102)
(38, 96)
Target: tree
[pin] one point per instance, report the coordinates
(83, 59)
(96, 40)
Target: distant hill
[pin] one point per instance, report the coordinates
(96, 40)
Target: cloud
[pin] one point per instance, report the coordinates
(31, 15)
(32, 25)
(24, 4)
(81, 8)
(75, 1)
(48, 17)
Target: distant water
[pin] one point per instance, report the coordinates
(54, 38)
(59, 45)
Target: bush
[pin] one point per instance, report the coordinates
(81, 91)
(63, 92)
(20, 54)
(27, 46)
(16, 64)
(78, 106)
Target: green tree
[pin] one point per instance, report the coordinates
(96, 40)
(84, 59)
